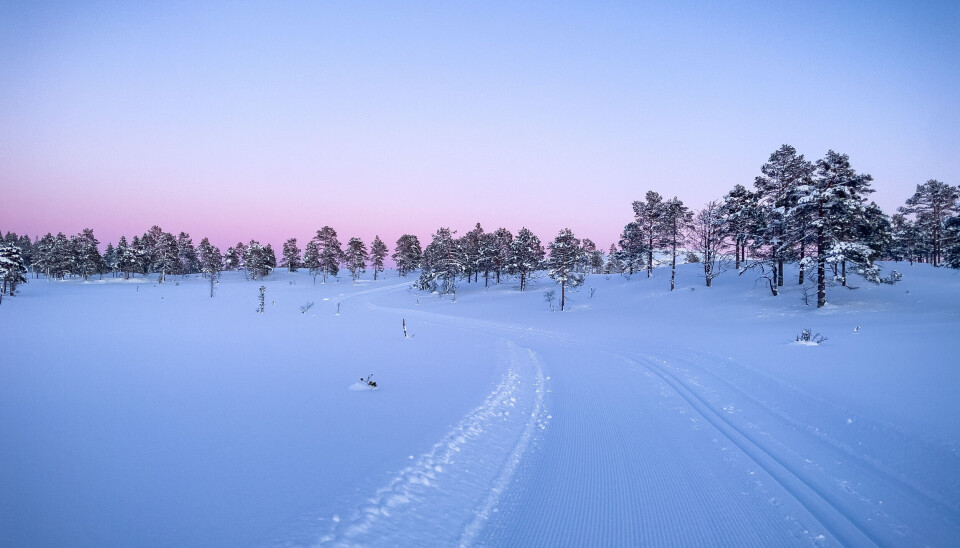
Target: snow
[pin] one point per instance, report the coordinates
(134, 413)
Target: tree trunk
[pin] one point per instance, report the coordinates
(821, 268)
(803, 250)
(563, 294)
(673, 268)
(843, 272)
(779, 271)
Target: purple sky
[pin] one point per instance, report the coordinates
(269, 120)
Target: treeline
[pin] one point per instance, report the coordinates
(811, 214)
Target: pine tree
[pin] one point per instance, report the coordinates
(777, 191)
(648, 215)
(330, 253)
(526, 256)
(12, 268)
(87, 255)
(503, 241)
(259, 260)
(708, 237)
(634, 250)
(408, 254)
(126, 258)
(566, 256)
(932, 204)
(739, 214)
(613, 265)
(62, 259)
(291, 255)
(167, 258)
(311, 259)
(833, 196)
(593, 260)
(211, 262)
(356, 257)
(675, 219)
(110, 259)
(378, 252)
(189, 263)
(443, 262)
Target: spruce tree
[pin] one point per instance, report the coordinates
(291, 255)
(674, 220)
(408, 255)
(330, 253)
(648, 215)
(378, 252)
(311, 259)
(355, 257)
(526, 256)
(564, 262)
(13, 269)
(932, 204)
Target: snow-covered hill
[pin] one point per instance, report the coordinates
(138, 414)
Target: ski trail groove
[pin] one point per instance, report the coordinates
(451, 489)
(843, 526)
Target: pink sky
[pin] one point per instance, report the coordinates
(252, 122)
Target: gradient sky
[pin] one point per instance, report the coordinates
(268, 120)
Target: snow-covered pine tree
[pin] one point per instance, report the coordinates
(708, 236)
(593, 257)
(291, 255)
(951, 231)
(834, 196)
(564, 262)
(378, 252)
(648, 215)
(470, 243)
(408, 254)
(932, 204)
(634, 250)
(232, 259)
(211, 262)
(311, 259)
(260, 260)
(488, 255)
(777, 192)
(739, 211)
(355, 257)
(42, 251)
(87, 254)
(126, 258)
(167, 256)
(526, 256)
(187, 254)
(142, 255)
(62, 258)
(110, 259)
(443, 262)
(330, 253)
(13, 269)
(675, 219)
(613, 265)
(503, 239)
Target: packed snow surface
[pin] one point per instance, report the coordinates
(134, 413)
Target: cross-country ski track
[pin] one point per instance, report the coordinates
(602, 443)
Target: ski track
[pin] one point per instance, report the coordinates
(451, 490)
(845, 489)
(671, 450)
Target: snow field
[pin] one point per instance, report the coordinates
(638, 417)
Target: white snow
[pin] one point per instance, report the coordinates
(134, 413)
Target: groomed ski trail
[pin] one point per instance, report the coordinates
(446, 495)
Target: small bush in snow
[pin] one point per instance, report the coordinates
(808, 336)
(305, 307)
(550, 296)
(893, 278)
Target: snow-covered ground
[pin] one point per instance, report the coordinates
(138, 414)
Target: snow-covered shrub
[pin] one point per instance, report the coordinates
(305, 307)
(807, 336)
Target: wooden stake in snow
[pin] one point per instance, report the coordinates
(404, 328)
